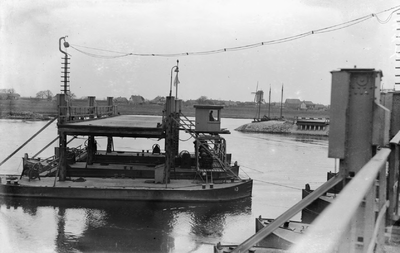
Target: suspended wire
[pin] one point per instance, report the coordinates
(245, 47)
(388, 18)
(186, 139)
(266, 182)
(282, 185)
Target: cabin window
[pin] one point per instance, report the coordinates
(213, 115)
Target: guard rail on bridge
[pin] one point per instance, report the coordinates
(355, 209)
(67, 113)
(360, 127)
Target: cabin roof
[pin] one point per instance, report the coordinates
(209, 107)
(359, 70)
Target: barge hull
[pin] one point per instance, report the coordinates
(227, 192)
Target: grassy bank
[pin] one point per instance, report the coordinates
(46, 108)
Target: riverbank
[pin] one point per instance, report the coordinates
(48, 108)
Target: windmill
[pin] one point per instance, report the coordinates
(258, 100)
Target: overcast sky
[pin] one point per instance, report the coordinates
(30, 60)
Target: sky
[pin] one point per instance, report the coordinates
(30, 60)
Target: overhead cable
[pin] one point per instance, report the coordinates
(244, 47)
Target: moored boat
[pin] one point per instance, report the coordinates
(284, 236)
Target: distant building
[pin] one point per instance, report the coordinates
(121, 100)
(307, 105)
(8, 94)
(320, 107)
(292, 103)
(158, 100)
(136, 100)
(230, 103)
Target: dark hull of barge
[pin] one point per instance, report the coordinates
(128, 189)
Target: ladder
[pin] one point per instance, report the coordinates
(205, 142)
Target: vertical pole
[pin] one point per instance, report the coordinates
(269, 103)
(281, 101)
(62, 108)
(91, 102)
(91, 149)
(110, 144)
(110, 104)
(62, 166)
(169, 149)
(382, 201)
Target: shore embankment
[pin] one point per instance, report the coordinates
(279, 127)
(48, 108)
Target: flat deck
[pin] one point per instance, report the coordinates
(120, 126)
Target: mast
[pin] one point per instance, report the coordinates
(281, 101)
(269, 102)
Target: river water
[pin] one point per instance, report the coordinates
(279, 164)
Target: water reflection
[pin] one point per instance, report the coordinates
(116, 226)
(315, 140)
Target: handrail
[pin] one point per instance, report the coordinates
(265, 231)
(396, 139)
(379, 219)
(87, 111)
(327, 229)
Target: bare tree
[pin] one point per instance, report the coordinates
(70, 96)
(202, 100)
(45, 94)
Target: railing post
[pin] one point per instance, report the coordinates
(392, 100)
(393, 181)
(382, 202)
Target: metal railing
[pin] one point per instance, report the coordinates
(337, 229)
(350, 223)
(73, 113)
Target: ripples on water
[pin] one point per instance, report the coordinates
(280, 165)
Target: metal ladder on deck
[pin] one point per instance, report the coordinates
(204, 141)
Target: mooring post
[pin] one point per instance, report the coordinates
(358, 125)
(91, 104)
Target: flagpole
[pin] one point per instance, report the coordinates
(176, 78)
(176, 70)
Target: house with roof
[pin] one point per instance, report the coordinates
(8, 94)
(292, 103)
(136, 100)
(307, 105)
